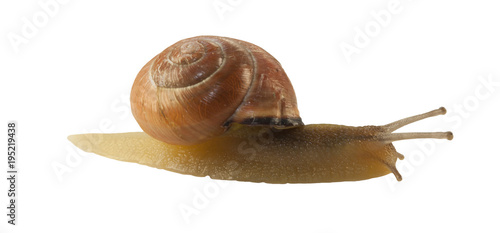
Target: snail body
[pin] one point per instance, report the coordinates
(224, 108)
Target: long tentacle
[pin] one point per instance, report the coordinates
(391, 127)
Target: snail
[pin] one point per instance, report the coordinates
(225, 108)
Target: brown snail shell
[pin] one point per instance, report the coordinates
(196, 88)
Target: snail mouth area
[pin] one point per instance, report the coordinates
(269, 121)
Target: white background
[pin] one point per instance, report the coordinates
(73, 71)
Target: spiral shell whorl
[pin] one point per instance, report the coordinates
(196, 88)
(179, 65)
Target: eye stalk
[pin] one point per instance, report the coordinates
(389, 137)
